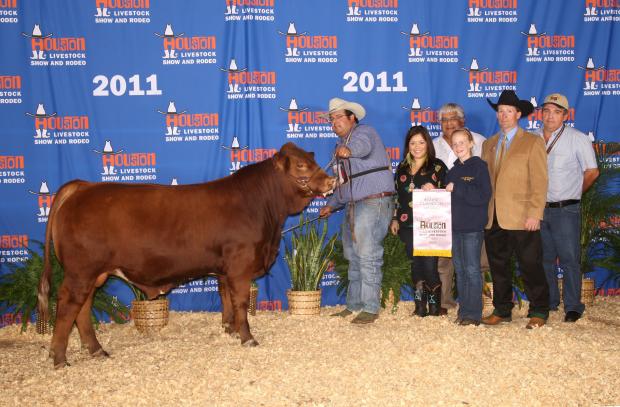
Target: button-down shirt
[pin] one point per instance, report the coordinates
(570, 156)
(367, 152)
(509, 136)
(444, 152)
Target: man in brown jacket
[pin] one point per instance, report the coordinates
(518, 167)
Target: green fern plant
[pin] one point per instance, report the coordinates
(309, 254)
(600, 236)
(19, 289)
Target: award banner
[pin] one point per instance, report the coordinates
(432, 223)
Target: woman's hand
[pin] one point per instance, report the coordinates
(394, 226)
(428, 187)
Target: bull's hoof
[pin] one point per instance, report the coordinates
(250, 343)
(60, 365)
(100, 353)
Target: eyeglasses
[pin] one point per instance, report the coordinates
(334, 118)
(451, 119)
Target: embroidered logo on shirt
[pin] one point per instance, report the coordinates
(467, 179)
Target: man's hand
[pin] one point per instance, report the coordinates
(343, 152)
(325, 212)
(532, 225)
(394, 226)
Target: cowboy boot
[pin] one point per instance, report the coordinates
(434, 300)
(420, 298)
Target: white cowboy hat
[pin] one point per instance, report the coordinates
(341, 104)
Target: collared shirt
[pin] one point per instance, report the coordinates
(509, 136)
(570, 156)
(367, 152)
(444, 152)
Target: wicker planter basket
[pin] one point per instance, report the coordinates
(304, 302)
(252, 304)
(587, 291)
(150, 316)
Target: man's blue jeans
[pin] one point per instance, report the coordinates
(371, 219)
(561, 231)
(466, 247)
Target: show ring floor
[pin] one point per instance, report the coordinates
(327, 361)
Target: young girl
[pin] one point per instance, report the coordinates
(470, 185)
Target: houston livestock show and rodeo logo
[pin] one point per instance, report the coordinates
(242, 155)
(122, 11)
(51, 128)
(190, 127)
(49, 50)
(118, 165)
(304, 123)
(244, 84)
(371, 11)
(12, 169)
(543, 47)
(181, 49)
(486, 83)
(599, 80)
(309, 48)
(10, 89)
(8, 12)
(492, 11)
(44, 200)
(601, 11)
(249, 10)
(427, 48)
(420, 115)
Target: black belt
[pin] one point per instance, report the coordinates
(562, 204)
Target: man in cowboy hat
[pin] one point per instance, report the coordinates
(518, 166)
(366, 188)
(572, 170)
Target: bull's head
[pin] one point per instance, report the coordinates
(309, 179)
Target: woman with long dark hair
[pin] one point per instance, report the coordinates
(419, 169)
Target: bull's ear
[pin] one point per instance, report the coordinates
(279, 161)
(312, 154)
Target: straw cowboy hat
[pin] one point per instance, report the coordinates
(341, 104)
(510, 98)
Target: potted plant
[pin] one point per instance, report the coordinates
(396, 271)
(600, 238)
(19, 289)
(149, 316)
(308, 257)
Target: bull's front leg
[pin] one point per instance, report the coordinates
(227, 308)
(240, 295)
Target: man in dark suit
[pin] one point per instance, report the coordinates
(518, 167)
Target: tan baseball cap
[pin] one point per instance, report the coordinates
(557, 99)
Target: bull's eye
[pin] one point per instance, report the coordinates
(301, 166)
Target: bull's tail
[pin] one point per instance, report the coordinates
(46, 277)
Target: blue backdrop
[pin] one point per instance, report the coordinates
(189, 91)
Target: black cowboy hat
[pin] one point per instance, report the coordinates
(510, 98)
